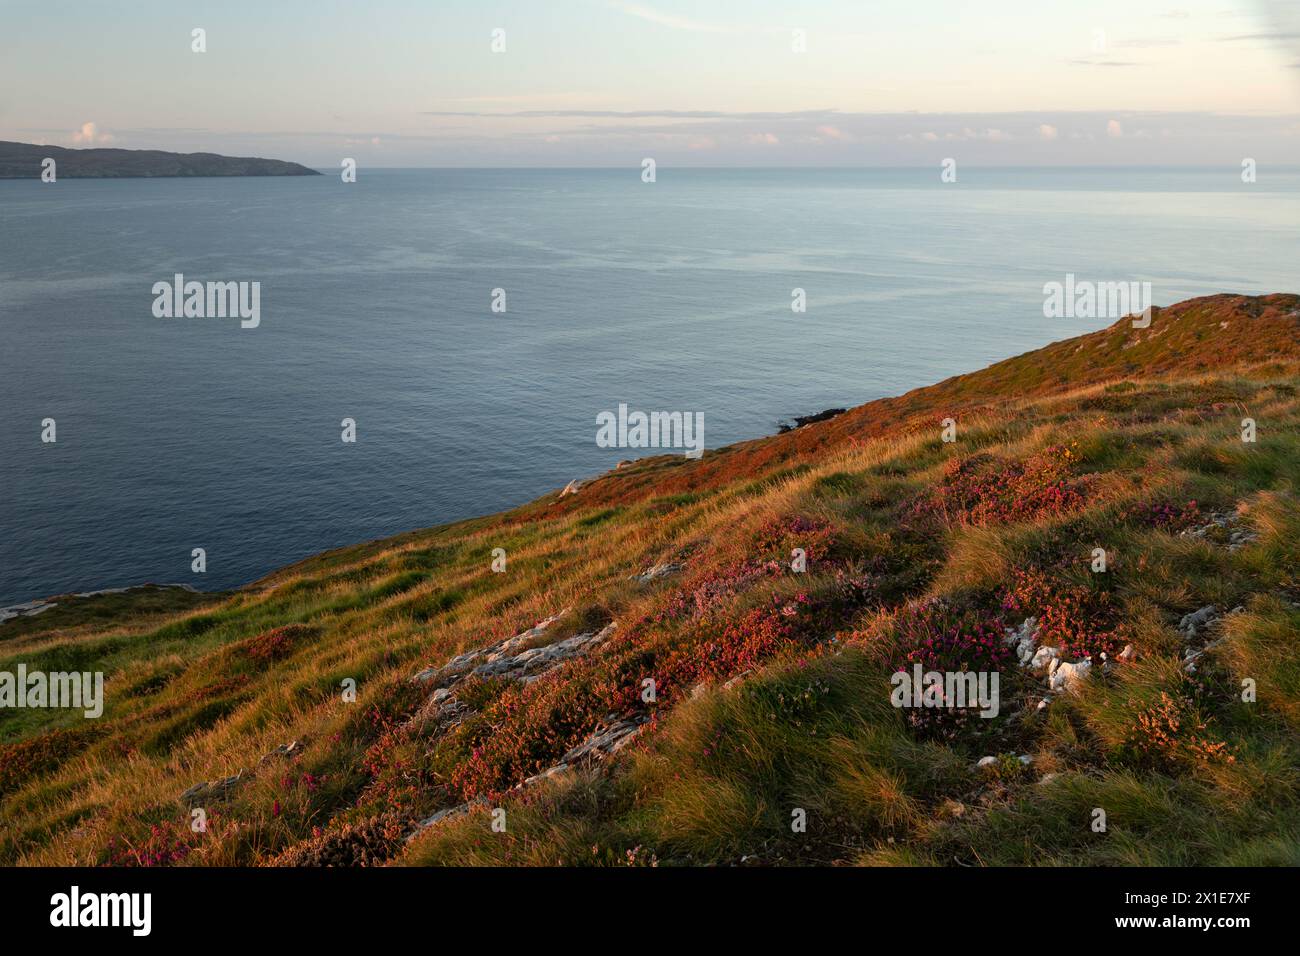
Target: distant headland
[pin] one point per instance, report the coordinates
(27, 161)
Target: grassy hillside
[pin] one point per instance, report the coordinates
(771, 690)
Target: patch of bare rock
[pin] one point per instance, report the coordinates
(657, 572)
(513, 658)
(520, 658)
(215, 791)
(611, 737)
(1196, 628)
(1223, 525)
(1047, 663)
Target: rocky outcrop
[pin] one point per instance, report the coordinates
(1223, 526)
(610, 738)
(607, 741)
(292, 749)
(512, 658)
(657, 572)
(1023, 639)
(1068, 676)
(212, 791)
(1046, 662)
(33, 608)
(26, 609)
(439, 714)
(517, 658)
(448, 814)
(1195, 629)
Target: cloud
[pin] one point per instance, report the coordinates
(642, 114)
(651, 15)
(89, 135)
(1047, 131)
(1247, 37)
(1142, 43)
(720, 137)
(832, 132)
(1092, 61)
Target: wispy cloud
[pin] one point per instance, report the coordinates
(1248, 37)
(641, 114)
(1093, 61)
(670, 20)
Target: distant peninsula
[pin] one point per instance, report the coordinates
(23, 161)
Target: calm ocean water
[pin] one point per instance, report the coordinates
(184, 433)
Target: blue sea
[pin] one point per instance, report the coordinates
(174, 434)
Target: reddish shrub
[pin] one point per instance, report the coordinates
(528, 728)
(369, 842)
(940, 637)
(26, 759)
(1164, 515)
(1172, 735)
(707, 593)
(221, 688)
(779, 536)
(275, 644)
(981, 489)
(1080, 620)
(166, 844)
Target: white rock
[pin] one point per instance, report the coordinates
(1068, 676)
(1044, 658)
(1023, 638)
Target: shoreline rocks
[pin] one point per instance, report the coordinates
(41, 605)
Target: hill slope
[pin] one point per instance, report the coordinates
(651, 678)
(23, 161)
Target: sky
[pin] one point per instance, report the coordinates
(690, 82)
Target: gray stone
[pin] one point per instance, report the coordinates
(657, 572)
(1197, 621)
(211, 790)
